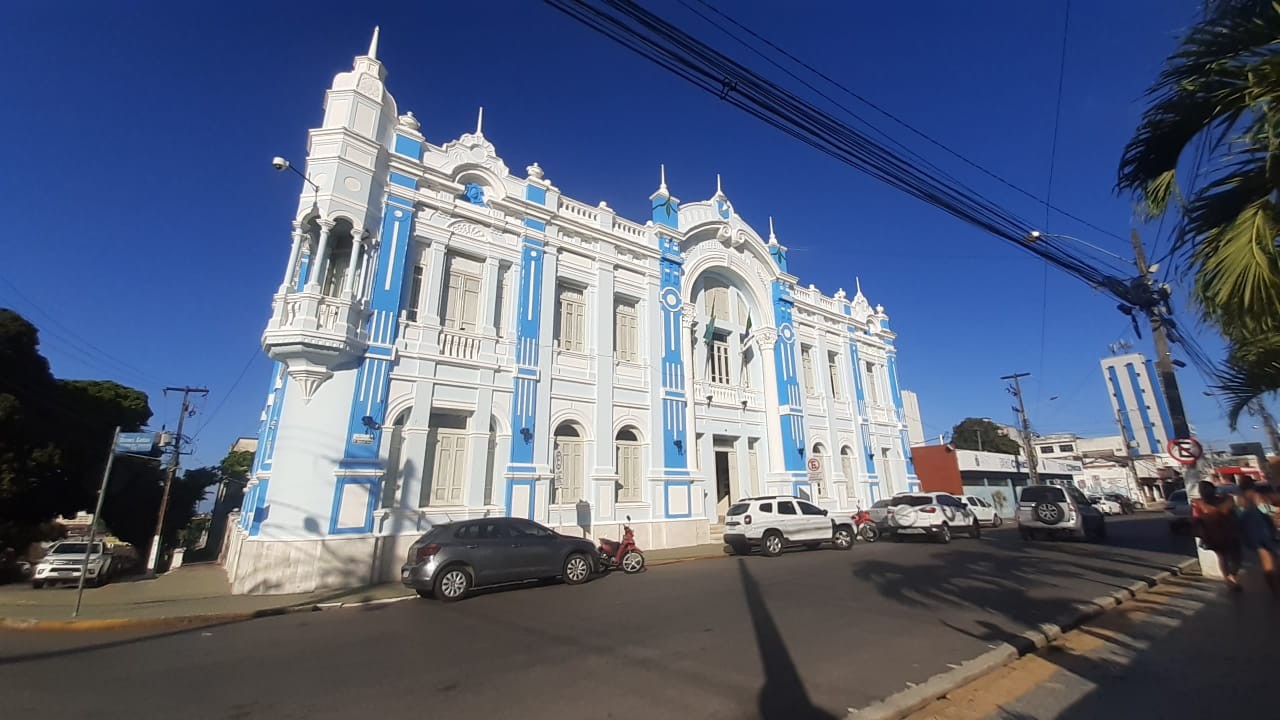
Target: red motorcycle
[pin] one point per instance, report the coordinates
(625, 554)
(866, 527)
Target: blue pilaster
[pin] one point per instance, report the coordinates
(790, 402)
(1140, 398)
(373, 376)
(891, 363)
(675, 436)
(524, 403)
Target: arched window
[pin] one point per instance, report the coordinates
(846, 468)
(339, 264)
(820, 452)
(568, 447)
(391, 478)
(628, 459)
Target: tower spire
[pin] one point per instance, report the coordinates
(857, 282)
(480, 121)
(373, 44)
(773, 239)
(662, 175)
(718, 190)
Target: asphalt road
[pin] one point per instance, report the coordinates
(806, 635)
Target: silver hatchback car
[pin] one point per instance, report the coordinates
(455, 557)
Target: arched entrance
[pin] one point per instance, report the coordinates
(568, 457)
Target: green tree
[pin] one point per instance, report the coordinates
(1213, 126)
(965, 436)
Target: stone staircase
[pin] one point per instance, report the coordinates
(717, 532)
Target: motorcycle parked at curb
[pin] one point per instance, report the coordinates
(625, 554)
(866, 527)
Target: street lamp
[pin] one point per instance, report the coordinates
(280, 164)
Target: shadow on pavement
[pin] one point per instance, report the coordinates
(783, 695)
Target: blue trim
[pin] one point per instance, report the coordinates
(873, 489)
(535, 224)
(779, 255)
(797, 486)
(408, 147)
(341, 487)
(1123, 407)
(906, 453)
(891, 362)
(1141, 398)
(675, 434)
(1161, 406)
(533, 193)
(270, 424)
(868, 450)
(666, 498)
(402, 180)
(533, 495)
(260, 507)
(856, 359)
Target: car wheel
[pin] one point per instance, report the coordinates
(452, 584)
(37, 584)
(771, 544)
(577, 568)
(976, 532)
(943, 535)
(632, 562)
(870, 533)
(842, 538)
(997, 522)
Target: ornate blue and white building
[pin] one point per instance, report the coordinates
(454, 340)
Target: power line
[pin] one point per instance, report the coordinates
(1048, 191)
(212, 414)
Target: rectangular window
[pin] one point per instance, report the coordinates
(629, 472)
(415, 295)
(462, 296)
(806, 359)
(626, 331)
(1066, 448)
(873, 394)
(500, 302)
(571, 319)
(720, 360)
(833, 369)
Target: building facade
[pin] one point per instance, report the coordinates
(454, 340)
(1138, 403)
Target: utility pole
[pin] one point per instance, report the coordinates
(93, 526)
(1164, 360)
(1032, 462)
(172, 471)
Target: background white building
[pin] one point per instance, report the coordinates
(453, 340)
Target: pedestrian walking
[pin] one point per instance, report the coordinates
(1215, 522)
(1258, 533)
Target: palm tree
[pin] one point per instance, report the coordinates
(1215, 108)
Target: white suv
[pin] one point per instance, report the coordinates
(772, 523)
(936, 515)
(1058, 511)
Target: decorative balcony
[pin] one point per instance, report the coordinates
(731, 396)
(459, 345)
(312, 333)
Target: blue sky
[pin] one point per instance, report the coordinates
(147, 231)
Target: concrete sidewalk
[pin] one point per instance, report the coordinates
(201, 593)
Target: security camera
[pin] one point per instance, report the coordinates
(279, 163)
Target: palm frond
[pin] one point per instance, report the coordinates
(1253, 370)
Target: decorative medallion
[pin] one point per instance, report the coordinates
(671, 299)
(786, 332)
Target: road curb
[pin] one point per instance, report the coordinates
(905, 702)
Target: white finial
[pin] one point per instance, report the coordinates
(857, 281)
(480, 121)
(373, 44)
(773, 239)
(718, 190)
(662, 174)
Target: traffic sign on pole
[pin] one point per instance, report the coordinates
(1185, 450)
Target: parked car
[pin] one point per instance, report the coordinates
(1106, 506)
(935, 515)
(774, 522)
(1054, 511)
(982, 510)
(1128, 505)
(64, 560)
(453, 558)
(1179, 510)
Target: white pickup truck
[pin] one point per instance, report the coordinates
(63, 563)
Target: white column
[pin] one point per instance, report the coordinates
(369, 253)
(831, 461)
(488, 295)
(478, 449)
(299, 237)
(353, 262)
(773, 462)
(741, 453)
(603, 341)
(413, 450)
(316, 273)
(431, 294)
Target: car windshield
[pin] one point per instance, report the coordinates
(911, 501)
(1042, 493)
(739, 509)
(73, 548)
